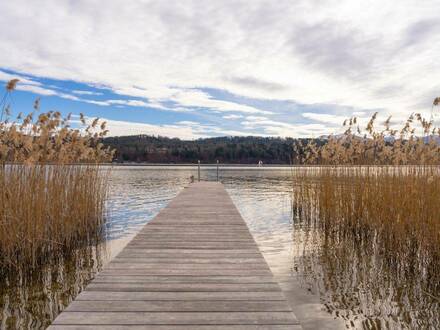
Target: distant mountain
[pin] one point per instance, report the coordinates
(436, 138)
(231, 150)
(388, 138)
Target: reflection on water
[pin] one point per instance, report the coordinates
(358, 284)
(33, 301)
(137, 194)
(335, 281)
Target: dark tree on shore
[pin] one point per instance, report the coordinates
(233, 150)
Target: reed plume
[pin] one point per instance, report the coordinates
(52, 189)
(416, 143)
(379, 191)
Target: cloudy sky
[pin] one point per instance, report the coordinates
(192, 69)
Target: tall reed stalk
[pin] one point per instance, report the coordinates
(416, 143)
(52, 189)
(381, 192)
(394, 211)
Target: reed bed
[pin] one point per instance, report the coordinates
(358, 284)
(381, 194)
(48, 209)
(388, 211)
(416, 143)
(52, 189)
(33, 302)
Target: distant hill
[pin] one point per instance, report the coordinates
(231, 150)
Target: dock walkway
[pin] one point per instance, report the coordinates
(194, 266)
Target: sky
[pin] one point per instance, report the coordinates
(193, 69)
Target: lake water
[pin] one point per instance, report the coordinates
(327, 289)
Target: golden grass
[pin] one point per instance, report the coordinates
(52, 189)
(33, 302)
(46, 209)
(416, 143)
(391, 211)
(394, 209)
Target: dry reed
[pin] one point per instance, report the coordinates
(52, 190)
(390, 211)
(416, 143)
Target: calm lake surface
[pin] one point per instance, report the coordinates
(327, 288)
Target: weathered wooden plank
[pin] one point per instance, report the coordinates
(192, 239)
(189, 272)
(179, 306)
(169, 318)
(193, 246)
(204, 296)
(199, 237)
(182, 287)
(203, 218)
(194, 266)
(194, 251)
(196, 228)
(166, 232)
(136, 253)
(209, 231)
(200, 224)
(175, 327)
(217, 261)
(177, 246)
(167, 266)
(182, 279)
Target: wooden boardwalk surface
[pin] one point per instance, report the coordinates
(194, 266)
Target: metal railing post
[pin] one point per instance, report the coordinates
(217, 170)
(198, 170)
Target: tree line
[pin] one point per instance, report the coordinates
(232, 150)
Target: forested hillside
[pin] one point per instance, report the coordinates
(238, 150)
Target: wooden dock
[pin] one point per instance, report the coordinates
(194, 266)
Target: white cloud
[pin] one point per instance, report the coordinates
(26, 84)
(135, 103)
(36, 89)
(69, 97)
(285, 129)
(78, 92)
(375, 55)
(188, 123)
(325, 118)
(184, 129)
(197, 98)
(232, 117)
(298, 130)
(256, 118)
(119, 128)
(4, 76)
(101, 103)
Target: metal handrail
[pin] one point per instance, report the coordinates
(198, 170)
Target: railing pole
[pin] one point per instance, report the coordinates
(217, 170)
(198, 170)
